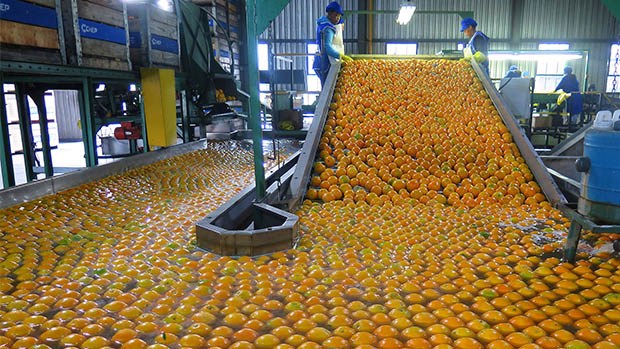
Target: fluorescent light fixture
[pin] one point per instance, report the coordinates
(534, 55)
(406, 12)
(165, 5)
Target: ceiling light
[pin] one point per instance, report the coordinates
(165, 5)
(406, 11)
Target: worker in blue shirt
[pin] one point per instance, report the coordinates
(478, 45)
(574, 103)
(329, 40)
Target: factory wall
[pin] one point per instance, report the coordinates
(584, 24)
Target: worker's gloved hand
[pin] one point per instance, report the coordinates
(344, 58)
(562, 97)
(467, 53)
(480, 57)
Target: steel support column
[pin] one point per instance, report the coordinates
(38, 96)
(25, 126)
(254, 103)
(88, 127)
(145, 138)
(516, 22)
(187, 137)
(6, 159)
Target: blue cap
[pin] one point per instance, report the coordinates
(334, 7)
(568, 70)
(513, 67)
(466, 22)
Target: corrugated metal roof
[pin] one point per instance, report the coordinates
(491, 15)
(585, 24)
(297, 21)
(567, 20)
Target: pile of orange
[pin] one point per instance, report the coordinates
(422, 230)
(418, 131)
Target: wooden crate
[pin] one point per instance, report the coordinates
(154, 36)
(97, 33)
(29, 31)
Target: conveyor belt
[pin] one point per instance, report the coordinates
(301, 177)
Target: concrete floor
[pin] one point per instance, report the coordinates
(68, 155)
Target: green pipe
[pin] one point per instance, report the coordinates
(6, 160)
(254, 103)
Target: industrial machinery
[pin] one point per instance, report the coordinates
(600, 190)
(585, 168)
(128, 130)
(242, 225)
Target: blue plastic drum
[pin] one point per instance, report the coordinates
(600, 183)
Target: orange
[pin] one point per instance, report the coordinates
(418, 343)
(192, 341)
(361, 338)
(499, 344)
(389, 343)
(246, 334)
(385, 331)
(467, 343)
(521, 322)
(135, 343)
(266, 341)
(518, 339)
(563, 336)
(336, 343)
(489, 335)
(318, 334)
(534, 332)
(576, 344)
(588, 335)
(548, 342)
(124, 335)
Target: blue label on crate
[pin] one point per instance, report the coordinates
(224, 54)
(100, 31)
(164, 44)
(135, 40)
(25, 12)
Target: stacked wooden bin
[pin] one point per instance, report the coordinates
(89, 33)
(101, 36)
(226, 37)
(154, 36)
(31, 31)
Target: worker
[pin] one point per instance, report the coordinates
(329, 40)
(574, 103)
(478, 45)
(513, 72)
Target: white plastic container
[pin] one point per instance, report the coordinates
(604, 120)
